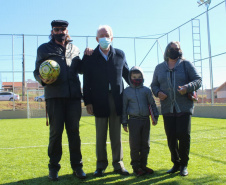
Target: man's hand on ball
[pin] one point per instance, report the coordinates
(47, 81)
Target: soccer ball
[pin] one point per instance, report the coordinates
(49, 69)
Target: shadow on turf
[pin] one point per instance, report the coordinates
(110, 177)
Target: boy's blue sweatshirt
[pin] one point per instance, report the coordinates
(136, 100)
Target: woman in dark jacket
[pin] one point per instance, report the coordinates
(173, 79)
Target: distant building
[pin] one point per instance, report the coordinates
(208, 93)
(29, 84)
(33, 84)
(220, 92)
(201, 92)
(8, 86)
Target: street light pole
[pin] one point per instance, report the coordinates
(13, 70)
(210, 55)
(207, 3)
(225, 4)
(23, 74)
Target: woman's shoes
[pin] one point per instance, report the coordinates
(174, 169)
(183, 170)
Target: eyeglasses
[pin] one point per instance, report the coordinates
(58, 29)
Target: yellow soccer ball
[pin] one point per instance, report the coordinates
(49, 69)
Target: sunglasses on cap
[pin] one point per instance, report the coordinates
(58, 29)
(176, 49)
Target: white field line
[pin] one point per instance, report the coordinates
(24, 147)
(47, 146)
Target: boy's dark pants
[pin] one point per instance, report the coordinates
(64, 111)
(139, 139)
(178, 131)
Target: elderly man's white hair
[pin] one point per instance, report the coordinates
(107, 27)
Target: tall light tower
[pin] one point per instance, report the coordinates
(207, 4)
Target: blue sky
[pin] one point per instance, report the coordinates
(128, 18)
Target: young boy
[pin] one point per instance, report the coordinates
(136, 101)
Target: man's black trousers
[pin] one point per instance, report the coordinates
(64, 111)
(178, 129)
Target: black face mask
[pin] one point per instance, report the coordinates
(174, 54)
(59, 37)
(136, 82)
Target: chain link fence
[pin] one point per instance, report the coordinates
(18, 55)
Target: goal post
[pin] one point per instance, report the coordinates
(36, 106)
(35, 103)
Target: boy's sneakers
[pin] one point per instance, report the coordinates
(147, 170)
(138, 172)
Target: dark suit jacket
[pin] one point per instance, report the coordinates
(98, 73)
(67, 84)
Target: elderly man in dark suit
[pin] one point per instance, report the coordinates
(102, 88)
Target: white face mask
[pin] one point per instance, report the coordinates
(104, 42)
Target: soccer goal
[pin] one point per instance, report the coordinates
(36, 103)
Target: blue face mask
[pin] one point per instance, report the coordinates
(104, 42)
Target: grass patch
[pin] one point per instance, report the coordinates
(23, 154)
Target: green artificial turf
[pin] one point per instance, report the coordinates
(24, 159)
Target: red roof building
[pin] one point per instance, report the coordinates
(221, 91)
(30, 84)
